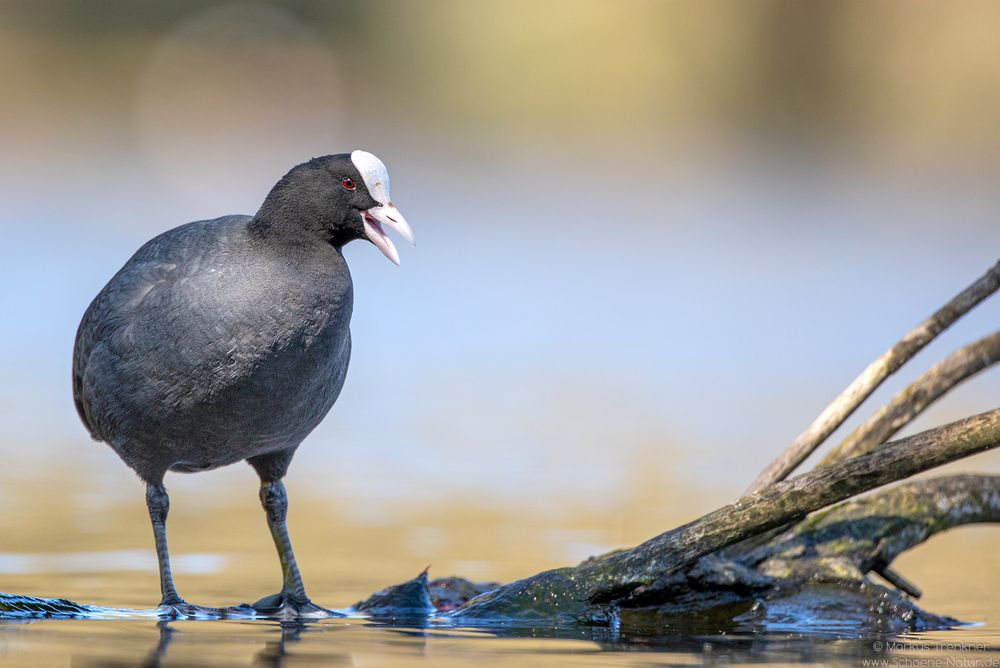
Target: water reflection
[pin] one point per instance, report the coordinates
(353, 643)
(274, 652)
(132, 639)
(166, 635)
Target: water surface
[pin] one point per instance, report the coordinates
(68, 538)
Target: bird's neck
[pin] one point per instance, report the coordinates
(289, 221)
(278, 218)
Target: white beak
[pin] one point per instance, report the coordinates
(389, 216)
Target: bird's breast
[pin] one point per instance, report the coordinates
(251, 352)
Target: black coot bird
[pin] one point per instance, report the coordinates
(228, 340)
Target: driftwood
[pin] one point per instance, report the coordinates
(647, 576)
(820, 564)
(781, 557)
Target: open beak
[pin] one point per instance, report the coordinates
(389, 216)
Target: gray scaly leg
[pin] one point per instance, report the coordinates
(292, 600)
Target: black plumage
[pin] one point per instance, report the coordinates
(229, 339)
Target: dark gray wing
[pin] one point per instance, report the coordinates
(171, 256)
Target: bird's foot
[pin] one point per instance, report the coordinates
(284, 605)
(178, 608)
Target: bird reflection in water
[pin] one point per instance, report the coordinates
(273, 653)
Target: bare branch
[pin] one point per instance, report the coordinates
(861, 388)
(925, 390)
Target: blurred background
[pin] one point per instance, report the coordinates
(654, 240)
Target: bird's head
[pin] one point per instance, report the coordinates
(340, 197)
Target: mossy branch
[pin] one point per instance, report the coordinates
(869, 533)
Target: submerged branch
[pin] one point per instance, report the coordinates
(861, 387)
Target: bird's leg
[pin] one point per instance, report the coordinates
(292, 598)
(158, 504)
(275, 501)
(172, 605)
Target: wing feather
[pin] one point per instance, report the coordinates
(169, 257)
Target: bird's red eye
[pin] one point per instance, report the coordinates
(348, 183)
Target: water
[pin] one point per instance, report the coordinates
(358, 643)
(90, 542)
